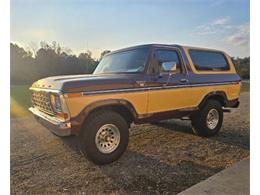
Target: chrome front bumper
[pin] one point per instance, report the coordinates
(54, 124)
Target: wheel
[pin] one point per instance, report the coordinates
(208, 121)
(104, 137)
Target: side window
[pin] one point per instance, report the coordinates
(162, 55)
(209, 60)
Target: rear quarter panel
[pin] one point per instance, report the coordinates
(230, 77)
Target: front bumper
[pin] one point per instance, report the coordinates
(54, 124)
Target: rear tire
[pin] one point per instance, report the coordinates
(104, 137)
(208, 121)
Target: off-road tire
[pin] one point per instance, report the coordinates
(88, 133)
(199, 119)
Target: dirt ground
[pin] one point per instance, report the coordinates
(161, 159)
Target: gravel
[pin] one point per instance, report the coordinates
(160, 159)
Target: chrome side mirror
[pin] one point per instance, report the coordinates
(170, 67)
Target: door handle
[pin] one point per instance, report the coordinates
(184, 80)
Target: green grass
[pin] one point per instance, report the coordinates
(20, 100)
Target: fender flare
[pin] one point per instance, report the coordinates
(219, 95)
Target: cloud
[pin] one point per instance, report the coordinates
(241, 36)
(237, 35)
(206, 30)
(220, 21)
(214, 26)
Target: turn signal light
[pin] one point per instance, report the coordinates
(73, 95)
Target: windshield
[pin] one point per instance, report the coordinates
(125, 61)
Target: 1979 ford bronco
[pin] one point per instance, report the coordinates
(139, 84)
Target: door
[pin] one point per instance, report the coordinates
(169, 89)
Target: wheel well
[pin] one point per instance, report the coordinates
(122, 110)
(220, 98)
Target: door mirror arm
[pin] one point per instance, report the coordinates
(169, 77)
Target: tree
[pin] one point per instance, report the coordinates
(242, 66)
(104, 53)
(48, 60)
(21, 65)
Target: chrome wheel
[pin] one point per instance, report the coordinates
(107, 138)
(212, 119)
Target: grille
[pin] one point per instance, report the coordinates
(41, 100)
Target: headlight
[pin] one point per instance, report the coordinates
(59, 106)
(55, 102)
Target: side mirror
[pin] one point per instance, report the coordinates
(170, 67)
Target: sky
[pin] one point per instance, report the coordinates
(99, 25)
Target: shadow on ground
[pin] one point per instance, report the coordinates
(225, 136)
(142, 173)
(138, 173)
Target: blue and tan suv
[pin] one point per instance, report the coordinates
(140, 84)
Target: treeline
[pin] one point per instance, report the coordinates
(242, 66)
(48, 60)
(52, 59)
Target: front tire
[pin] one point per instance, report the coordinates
(208, 121)
(104, 137)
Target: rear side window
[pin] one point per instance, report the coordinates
(209, 60)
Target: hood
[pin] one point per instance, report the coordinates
(86, 82)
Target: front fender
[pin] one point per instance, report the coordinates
(77, 121)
